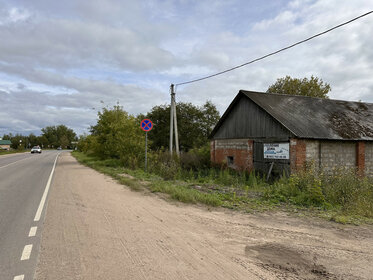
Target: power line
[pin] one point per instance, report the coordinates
(276, 52)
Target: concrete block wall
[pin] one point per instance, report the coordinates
(312, 153)
(240, 149)
(337, 154)
(369, 159)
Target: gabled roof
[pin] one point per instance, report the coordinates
(316, 118)
(5, 142)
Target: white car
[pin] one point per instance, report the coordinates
(36, 149)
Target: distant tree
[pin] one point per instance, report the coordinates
(42, 141)
(52, 136)
(7, 136)
(195, 124)
(33, 140)
(57, 136)
(313, 87)
(64, 141)
(18, 141)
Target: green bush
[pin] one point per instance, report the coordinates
(354, 194)
(196, 159)
(343, 190)
(117, 134)
(164, 165)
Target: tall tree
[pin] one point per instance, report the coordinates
(194, 122)
(313, 87)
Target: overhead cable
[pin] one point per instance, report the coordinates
(276, 52)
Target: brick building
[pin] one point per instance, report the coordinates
(283, 133)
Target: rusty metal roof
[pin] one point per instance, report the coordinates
(316, 118)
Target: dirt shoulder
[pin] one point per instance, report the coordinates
(98, 229)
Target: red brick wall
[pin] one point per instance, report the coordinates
(241, 150)
(297, 155)
(360, 157)
(212, 151)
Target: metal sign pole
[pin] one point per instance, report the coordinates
(146, 151)
(146, 126)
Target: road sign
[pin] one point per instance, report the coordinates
(146, 125)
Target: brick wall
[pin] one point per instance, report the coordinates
(212, 151)
(360, 157)
(297, 155)
(369, 159)
(240, 149)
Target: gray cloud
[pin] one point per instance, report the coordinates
(60, 59)
(61, 44)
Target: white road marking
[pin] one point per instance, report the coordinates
(44, 197)
(19, 277)
(32, 231)
(14, 162)
(26, 252)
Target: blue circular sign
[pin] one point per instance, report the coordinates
(146, 125)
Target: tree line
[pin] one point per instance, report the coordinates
(51, 137)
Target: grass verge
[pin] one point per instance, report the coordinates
(252, 196)
(6, 152)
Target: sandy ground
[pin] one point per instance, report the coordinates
(98, 229)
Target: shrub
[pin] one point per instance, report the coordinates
(354, 194)
(196, 159)
(164, 165)
(343, 190)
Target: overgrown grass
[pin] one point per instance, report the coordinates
(186, 194)
(6, 152)
(342, 197)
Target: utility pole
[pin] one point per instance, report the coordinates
(171, 118)
(173, 123)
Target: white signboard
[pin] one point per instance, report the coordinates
(276, 150)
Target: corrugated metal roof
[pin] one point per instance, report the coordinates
(5, 142)
(317, 118)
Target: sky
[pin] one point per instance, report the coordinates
(63, 61)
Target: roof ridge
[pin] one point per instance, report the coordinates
(303, 96)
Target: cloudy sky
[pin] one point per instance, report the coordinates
(61, 61)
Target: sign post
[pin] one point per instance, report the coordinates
(146, 125)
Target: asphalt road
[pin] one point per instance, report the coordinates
(23, 184)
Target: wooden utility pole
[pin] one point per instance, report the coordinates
(173, 122)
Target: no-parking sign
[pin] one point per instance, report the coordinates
(146, 125)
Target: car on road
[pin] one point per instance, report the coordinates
(36, 149)
(59, 148)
